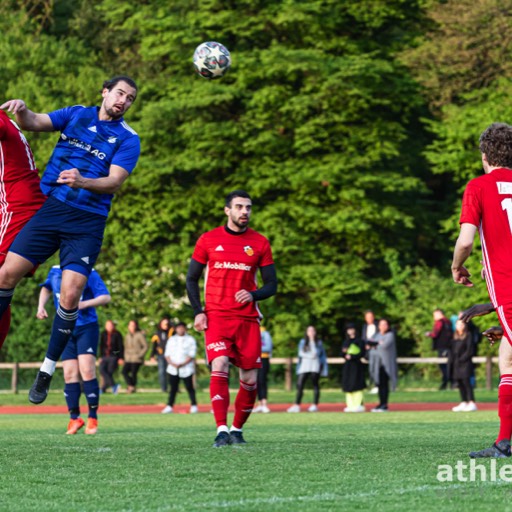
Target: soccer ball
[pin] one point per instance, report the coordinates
(211, 60)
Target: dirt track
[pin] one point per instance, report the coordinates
(183, 409)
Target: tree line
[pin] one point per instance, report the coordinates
(354, 125)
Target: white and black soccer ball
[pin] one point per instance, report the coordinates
(211, 60)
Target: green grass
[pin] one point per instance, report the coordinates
(276, 395)
(305, 462)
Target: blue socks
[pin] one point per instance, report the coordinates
(63, 326)
(72, 394)
(92, 394)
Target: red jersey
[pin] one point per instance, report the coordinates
(20, 194)
(19, 179)
(487, 204)
(232, 263)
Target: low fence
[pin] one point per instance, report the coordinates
(287, 362)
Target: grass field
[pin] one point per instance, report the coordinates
(307, 462)
(275, 396)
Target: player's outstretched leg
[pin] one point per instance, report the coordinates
(244, 404)
(63, 325)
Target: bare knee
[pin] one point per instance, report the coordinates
(72, 287)
(249, 376)
(87, 366)
(13, 270)
(505, 357)
(220, 364)
(70, 368)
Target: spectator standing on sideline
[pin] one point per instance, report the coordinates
(368, 331)
(462, 366)
(111, 355)
(353, 381)
(180, 354)
(79, 356)
(312, 364)
(385, 371)
(442, 335)
(266, 354)
(159, 341)
(135, 348)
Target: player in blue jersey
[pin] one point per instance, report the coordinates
(79, 356)
(95, 154)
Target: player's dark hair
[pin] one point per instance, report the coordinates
(236, 193)
(110, 84)
(496, 145)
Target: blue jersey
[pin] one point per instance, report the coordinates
(91, 146)
(94, 288)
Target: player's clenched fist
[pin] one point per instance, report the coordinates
(14, 106)
(70, 177)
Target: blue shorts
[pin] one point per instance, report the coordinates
(84, 340)
(78, 234)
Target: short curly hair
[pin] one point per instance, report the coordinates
(496, 145)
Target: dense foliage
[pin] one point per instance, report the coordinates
(335, 116)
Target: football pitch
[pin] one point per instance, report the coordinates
(323, 461)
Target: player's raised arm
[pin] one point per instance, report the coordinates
(27, 119)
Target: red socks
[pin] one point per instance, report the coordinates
(244, 403)
(5, 323)
(219, 396)
(505, 407)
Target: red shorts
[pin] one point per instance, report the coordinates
(237, 338)
(505, 316)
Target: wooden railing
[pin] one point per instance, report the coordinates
(288, 363)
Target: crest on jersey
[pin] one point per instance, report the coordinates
(249, 250)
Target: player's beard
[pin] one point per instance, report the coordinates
(113, 114)
(239, 224)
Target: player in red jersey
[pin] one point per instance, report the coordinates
(20, 194)
(487, 206)
(232, 255)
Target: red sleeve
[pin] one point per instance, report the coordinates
(438, 325)
(471, 211)
(3, 128)
(266, 256)
(200, 253)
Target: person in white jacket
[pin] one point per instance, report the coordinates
(180, 354)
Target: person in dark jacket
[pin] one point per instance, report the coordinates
(353, 380)
(442, 334)
(462, 366)
(111, 355)
(158, 344)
